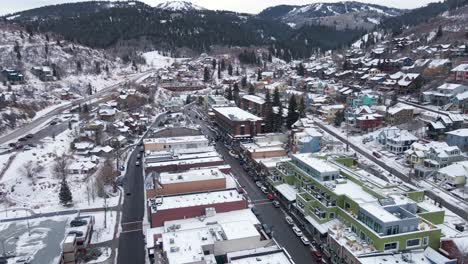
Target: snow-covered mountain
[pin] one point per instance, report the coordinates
(179, 6)
(342, 14)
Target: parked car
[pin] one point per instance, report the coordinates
(305, 240)
(78, 222)
(264, 189)
(53, 123)
(137, 163)
(29, 135)
(255, 211)
(316, 255)
(297, 231)
(267, 229)
(270, 196)
(22, 139)
(259, 184)
(138, 156)
(276, 204)
(289, 220)
(376, 154)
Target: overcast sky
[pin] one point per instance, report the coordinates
(247, 6)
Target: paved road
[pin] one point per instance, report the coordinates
(131, 240)
(41, 120)
(268, 214)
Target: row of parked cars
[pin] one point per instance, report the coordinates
(314, 252)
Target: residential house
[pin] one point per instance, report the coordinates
(328, 112)
(460, 73)
(445, 93)
(458, 138)
(12, 76)
(399, 114)
(396, 140)
(44, 73)
(454, 175)
(308, 140)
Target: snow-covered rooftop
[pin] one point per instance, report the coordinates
(236, 114)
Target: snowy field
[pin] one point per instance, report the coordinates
(40, 192)
(156, 60)
(102, 234)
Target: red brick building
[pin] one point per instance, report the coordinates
(237, 123)
(175, 207)
(460, 73)
(254, 104)
(369, 122)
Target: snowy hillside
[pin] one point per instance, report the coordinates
(341, 15)
(179, 6)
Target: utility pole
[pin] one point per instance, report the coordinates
(105, 210)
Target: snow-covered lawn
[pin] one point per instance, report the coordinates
(105, 254)
(40, 192)
(101, 233)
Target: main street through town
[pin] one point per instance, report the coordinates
(268, 214)
(131, 240)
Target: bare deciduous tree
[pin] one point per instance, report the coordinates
(61, 166)
(31, 169)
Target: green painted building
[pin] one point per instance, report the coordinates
(354, 213)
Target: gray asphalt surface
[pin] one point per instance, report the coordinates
(273, 217)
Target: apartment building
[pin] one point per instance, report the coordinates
(351, 214)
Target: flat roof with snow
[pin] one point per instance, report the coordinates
(236, 114)
(196, 199)
(191, 175)
(175, 140)
(319, 165)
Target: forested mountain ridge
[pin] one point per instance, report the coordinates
(347, 14)
(102, 24)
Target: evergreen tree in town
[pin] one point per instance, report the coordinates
(206, 74)
(276, 98)
(302, 107)
(259, 74)
(339, 118)
(293, 115)
(439, 33)
(279, 118)
(230, 69)
(213, 62)
(219, 72)
(244, 81)
(301, 70)
(223, 64)
(229, 95)
(236, 94)
(251, 89)
(269, 114)
(65, 194)
(189, 99)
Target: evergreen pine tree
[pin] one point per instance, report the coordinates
(65, 194)
(339, 118)
(230, 69)
(213, 62)
(259, 75)
(229, 95)
(302, 107)
(301, 70)
(276, 98)
(279, 118)
(206, 74)
(251, 89)
(236, 94)
(219, 72)
(223, 65)
(293, 115)
(244, 82)
(269, 114)
(439, 33)
(189, 99)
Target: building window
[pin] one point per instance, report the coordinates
(347, 206)
(413, 242)
(425, 241)
(242, 130)
(332, 215)
(391, 246)
(396, 229)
